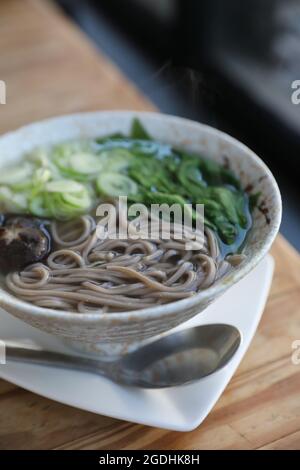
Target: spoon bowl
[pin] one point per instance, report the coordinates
(182, 357)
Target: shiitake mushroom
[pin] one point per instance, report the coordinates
(23, 240)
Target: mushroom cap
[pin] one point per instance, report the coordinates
(23, 240)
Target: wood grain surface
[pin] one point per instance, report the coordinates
(50, 68)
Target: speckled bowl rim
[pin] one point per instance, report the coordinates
(179, 305)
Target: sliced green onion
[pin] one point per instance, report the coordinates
(64, 186)
(116, 184)
(85, 163)
(81, 200)
(37, 207)
(116, 160)
(15, 174)
(12, 202)
(76, 159)
(39, 157)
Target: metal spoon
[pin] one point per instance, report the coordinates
(175, 359)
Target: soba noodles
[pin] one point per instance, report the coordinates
(86, 274)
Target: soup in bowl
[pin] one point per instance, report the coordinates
(118, 226)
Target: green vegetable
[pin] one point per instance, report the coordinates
(152, 175)
(37, 207)
(15, 175)
(203, 182)
(218, 221)
(76, 160)
(138, 131)
(229, 202)
(109, 138)
(225, 210)
(115, 160)
(64, 186)
(215, 174)
(12, 202)
(81, 166)
(40, 176)
(163, 198)
(61, 199)
(85, 164)
(190, 178)
(67, 205)
(115, 184)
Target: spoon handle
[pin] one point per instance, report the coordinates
(64, 361)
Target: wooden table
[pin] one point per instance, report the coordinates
(51, 68)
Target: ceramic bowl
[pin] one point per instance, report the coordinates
(111, 334)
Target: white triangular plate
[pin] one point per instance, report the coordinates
(179, 408)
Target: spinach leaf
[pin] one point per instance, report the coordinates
(216, 219)
(163, 198)
(152, 175)
(190, 177)
(226, 201)
(109, 138)
(215, 174)
(138, 131)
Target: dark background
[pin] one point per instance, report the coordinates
(227, 63)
